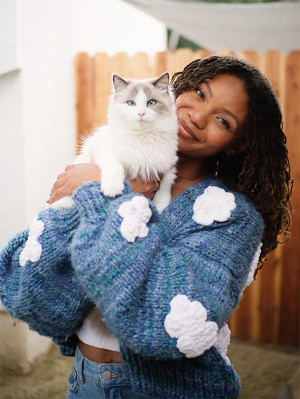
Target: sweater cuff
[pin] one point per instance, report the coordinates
(90, 200)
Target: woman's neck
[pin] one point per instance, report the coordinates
(189, 168)
(189, 172)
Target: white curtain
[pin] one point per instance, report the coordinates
(237, 27)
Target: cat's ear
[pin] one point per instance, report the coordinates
(162, 82)
(118, 82)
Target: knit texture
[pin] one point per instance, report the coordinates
(151, 279)
(37, 282)
(200, 248)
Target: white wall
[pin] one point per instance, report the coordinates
(9, 18)
(12, 176)
(234, 26)
(37, 113)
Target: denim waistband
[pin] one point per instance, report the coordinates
(107, 374)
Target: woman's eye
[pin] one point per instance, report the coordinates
(151, 103)
(200, 93)
(225, 123)
(131, 103)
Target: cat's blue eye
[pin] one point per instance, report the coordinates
(151, 103)
(131, 103)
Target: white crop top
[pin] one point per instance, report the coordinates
(95, 332)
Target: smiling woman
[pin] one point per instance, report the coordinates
(162, 284)
(257, 138)
(211, 117)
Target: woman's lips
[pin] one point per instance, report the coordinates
(185, 132)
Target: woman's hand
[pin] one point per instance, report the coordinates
(148, 188)
(72, 178)
(75, 175)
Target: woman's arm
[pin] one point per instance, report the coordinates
(164, 283)
(37, 281)
(75, 175)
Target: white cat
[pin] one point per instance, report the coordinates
(140, 139)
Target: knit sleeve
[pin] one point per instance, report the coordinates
(37, 282)
(166, 283)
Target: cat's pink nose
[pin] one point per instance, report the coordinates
(141, 114)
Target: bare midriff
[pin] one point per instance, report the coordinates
(99, 355)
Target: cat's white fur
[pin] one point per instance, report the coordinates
(140, 139)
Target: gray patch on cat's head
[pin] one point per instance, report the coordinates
(162, 82)
(154, 88)
(118, 82)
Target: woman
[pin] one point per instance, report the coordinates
(166, 296)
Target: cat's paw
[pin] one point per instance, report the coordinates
(112, 188)
(63, 203)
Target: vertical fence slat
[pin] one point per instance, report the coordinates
(120, 64)
(240, 319)
(277, 282)
(270, 275)
(272, 64)
(84, 95)
(171, 62)
(226, 52)
(251, 56)
(102, 87)
(140, 66)
(160, 63)
(182, 58)
(290, 290)
(201, 54)
(269, 297)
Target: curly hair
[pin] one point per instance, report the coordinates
(262, 171)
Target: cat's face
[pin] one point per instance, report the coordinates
(140, 103)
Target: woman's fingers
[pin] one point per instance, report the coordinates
(57, 194)
(58, 184)
(147, 188)
(72, 166)
(72, 178)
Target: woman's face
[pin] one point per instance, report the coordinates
(211, 117)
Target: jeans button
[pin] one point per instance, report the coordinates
(107, 375)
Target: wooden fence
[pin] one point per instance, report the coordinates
(269, 311)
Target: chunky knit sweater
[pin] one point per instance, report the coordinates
(165, 283)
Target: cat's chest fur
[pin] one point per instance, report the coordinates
(141, 154)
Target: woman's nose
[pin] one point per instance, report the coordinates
(198, 117)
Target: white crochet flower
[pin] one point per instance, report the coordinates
(187, 322)
(33, 249)
(253, 266)
(223, 341)
(214, 204)
(135, 213)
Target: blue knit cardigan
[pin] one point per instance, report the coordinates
(165, 283)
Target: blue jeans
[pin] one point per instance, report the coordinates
(90, 380)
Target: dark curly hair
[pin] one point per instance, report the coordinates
(262, 171)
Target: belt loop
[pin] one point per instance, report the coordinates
(80, 365)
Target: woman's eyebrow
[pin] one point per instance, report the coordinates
(232, 115)
(208, 87)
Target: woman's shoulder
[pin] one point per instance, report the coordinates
(213, 198)
(221, 194)
(210, 206)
